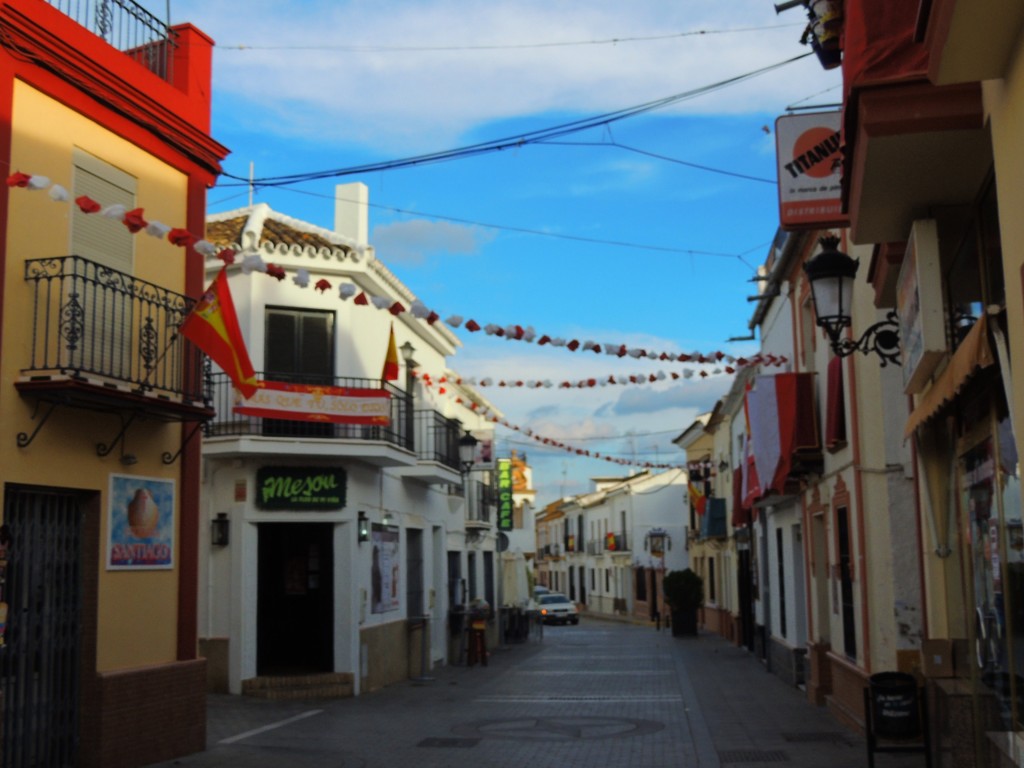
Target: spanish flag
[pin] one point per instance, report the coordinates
(390, 372)
(698, 500)
(213, 327)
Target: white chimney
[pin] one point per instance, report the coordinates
(352, 211)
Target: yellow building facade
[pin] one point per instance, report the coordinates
(98, 391)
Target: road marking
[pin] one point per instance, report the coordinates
(601, 699)
(270, 727)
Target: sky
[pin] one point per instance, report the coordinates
(642, 229)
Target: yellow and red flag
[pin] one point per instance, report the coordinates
(390, 372)
(213, 327)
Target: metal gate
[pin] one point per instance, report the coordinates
(39, 664)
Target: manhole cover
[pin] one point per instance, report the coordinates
(558, 728)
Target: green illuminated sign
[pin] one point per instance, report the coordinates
(300, 488)
(505, 505)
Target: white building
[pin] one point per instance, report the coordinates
(345, 537)
(617, 542)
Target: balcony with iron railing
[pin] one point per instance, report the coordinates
(102, 339)
(128, 27)
(233, 433)
(436, 442)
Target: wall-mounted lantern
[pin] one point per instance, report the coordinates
(220, 530)
(831, 273)
(364, 527)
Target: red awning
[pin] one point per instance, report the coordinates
(835, 409)
(783, 420)
(878, 44)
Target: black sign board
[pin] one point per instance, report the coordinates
(300, 488)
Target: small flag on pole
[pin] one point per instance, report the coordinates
(213, 327)
(390, 372)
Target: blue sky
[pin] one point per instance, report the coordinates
(651, 252)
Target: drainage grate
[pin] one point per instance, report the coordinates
(752, 756)
(448, 743)
(833, 737)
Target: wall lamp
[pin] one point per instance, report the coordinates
(467, 451)
(364, 527)
(220, 530)
(831, 273)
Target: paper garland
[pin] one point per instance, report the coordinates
(136, 222)
(545, 441)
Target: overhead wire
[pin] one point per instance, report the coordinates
(501, 47)
(519, 140)
(520, 230)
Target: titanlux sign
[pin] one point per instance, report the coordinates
(810, 170)
(300, 488)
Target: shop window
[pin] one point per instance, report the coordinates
(973, 276)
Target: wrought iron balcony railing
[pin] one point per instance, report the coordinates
(437, 438)
(129, 28)
(90, 320)
(229, 422)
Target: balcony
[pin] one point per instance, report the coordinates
(128, 27)
(436, 440)
(970, 41)
(104, 340)
(897, 121)
(712, 522)
(233, 434)
(616, 542)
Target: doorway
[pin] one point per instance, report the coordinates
(295, 599)
(41, 580)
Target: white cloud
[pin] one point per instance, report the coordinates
(412, 99)
(410, 242)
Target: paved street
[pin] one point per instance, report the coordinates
(601, 694)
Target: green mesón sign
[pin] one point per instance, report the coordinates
(506, 522)
(300, 488)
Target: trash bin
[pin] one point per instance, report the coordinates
(894, 708)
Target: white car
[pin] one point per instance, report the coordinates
(556, 608)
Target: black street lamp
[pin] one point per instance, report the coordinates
(831, 273)
(467, 451)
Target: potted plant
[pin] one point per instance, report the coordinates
(684, 595)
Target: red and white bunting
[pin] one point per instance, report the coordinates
(136, 222)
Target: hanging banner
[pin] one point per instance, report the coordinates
(506, 520)
(810, 170)
(311, 402)
(384, 572)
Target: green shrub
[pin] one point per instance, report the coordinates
(684, 590)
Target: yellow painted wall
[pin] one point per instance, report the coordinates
(1004, 101)
(137, 611)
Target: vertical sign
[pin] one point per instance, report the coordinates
(810, 170)
(505, 505)
(919, 306)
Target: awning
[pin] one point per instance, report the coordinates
(835, 409)
(783, 420)
(879, 44)
(973, 354)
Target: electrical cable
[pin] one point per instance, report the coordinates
(517, 141)
(497, 47)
